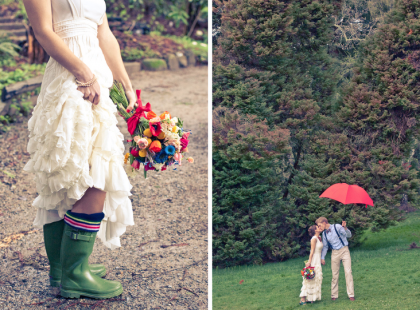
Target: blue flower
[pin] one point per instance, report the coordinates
(161, 157)
(170, 150)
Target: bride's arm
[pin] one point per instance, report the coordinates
(313, 244)
(40, 17)
(112, 53)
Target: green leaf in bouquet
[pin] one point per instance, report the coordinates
(180, 123)
(117, 95)
(144, 122)
(131, 159)
(180, 133)
(145, 173)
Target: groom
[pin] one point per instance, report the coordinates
(335, 237)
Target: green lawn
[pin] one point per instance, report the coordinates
(386, 276)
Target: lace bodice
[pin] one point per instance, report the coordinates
(316, 258)
(73, 17)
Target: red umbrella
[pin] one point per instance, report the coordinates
(346, 194)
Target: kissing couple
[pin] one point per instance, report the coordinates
(334, 236)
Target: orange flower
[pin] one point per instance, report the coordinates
(165, 115)
(155, 146)
(126, 157)
(150, 115)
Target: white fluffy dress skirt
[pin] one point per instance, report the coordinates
(75, 145)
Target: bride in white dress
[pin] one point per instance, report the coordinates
(311, 289)
(75, 145)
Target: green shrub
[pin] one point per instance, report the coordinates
(133, 54)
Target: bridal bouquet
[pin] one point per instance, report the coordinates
(308, 273)
(157, 141)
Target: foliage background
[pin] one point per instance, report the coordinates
(339, 79)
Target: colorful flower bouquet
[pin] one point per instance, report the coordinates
(157, 141)
(308, 273)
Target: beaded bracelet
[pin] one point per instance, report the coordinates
(86, 84)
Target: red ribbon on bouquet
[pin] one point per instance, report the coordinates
(133, 121)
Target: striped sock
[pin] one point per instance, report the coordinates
(82, 221)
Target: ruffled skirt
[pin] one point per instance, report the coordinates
(312, 288)
(75, 145)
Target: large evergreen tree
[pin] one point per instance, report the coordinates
(271, 62)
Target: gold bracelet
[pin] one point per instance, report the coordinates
(86, 84)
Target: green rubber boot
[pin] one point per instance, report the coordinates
(77, 279)
(53, 233)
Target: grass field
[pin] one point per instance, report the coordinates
(386, 276)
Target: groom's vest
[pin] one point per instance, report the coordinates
(329, 244)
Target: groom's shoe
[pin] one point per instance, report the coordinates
(351, 298)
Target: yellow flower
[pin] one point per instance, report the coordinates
(149, 141)
(175, 129)
(161, 136)
(143, 153)
(126, 157)
(147, 133)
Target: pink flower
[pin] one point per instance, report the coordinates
(178, 157)
(155, 120)
(184, 143)
(142, 143)
(136, 164)
(136, 139)
(185, 135)
(190, 160)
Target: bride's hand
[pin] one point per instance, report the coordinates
(132, 100)
(91, 93)
(308, 264)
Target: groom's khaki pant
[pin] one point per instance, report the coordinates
(337, 256)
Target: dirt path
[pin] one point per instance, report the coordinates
(162, 263)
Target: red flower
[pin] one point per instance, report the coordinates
(135, 153)
(163, 168)
(242, 281)
(149, 167)
(155, 128)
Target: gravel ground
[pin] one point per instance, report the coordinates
(162, 263)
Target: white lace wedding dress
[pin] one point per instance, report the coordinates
(74, 144)
(312, 288)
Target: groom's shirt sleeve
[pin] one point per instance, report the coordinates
(344, 232)
(324, 248)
